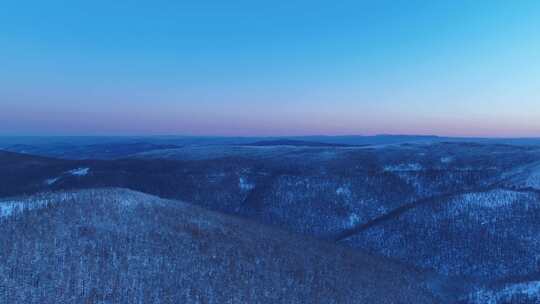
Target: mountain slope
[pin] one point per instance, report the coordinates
(487, 235)
(119, 246)
(320, 191)
(22, 173)
(527, 292)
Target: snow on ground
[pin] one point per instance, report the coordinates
(403, 167)
(354, 219)
(533, 178)
(446, 159)
(123, 197)
(344, 191)
(245, 185)
(74, 172)
(527, 176)
(9, 208)
(51, 181)
(79, 171)
(492, 199)
(529, 290)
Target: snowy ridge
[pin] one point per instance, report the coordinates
(492, 199)
(13, 207)
(529, 291)
(525, 177)
(125, 198)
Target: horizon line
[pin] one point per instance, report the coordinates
(272, 136)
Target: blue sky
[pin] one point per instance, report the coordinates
(467, 68)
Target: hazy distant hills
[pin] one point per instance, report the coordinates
(94, 147)
(119, 246)
(93, 151)
(298, 143)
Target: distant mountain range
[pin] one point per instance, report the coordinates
(297, 143)
(92, 147)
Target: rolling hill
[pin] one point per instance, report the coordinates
(120, 246)
(467, 210)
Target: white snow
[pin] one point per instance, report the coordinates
(9, 208)
(532, 178)
(403, 167)
(531, 290)
(51, 181)
(344, 191)
(527, 176)
(446, 159)
(79, 171)
(354, 219)
(492, 199)
(74, 172)
(245, 185)
(123, 197)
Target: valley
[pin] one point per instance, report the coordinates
(454, 209)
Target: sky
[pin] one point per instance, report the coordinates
(270, 68)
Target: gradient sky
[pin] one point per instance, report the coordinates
(467, 68)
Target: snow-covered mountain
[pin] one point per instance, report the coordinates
(120, 246)
(488, 236)
(466, 210)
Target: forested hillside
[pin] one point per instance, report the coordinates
(119, 246)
